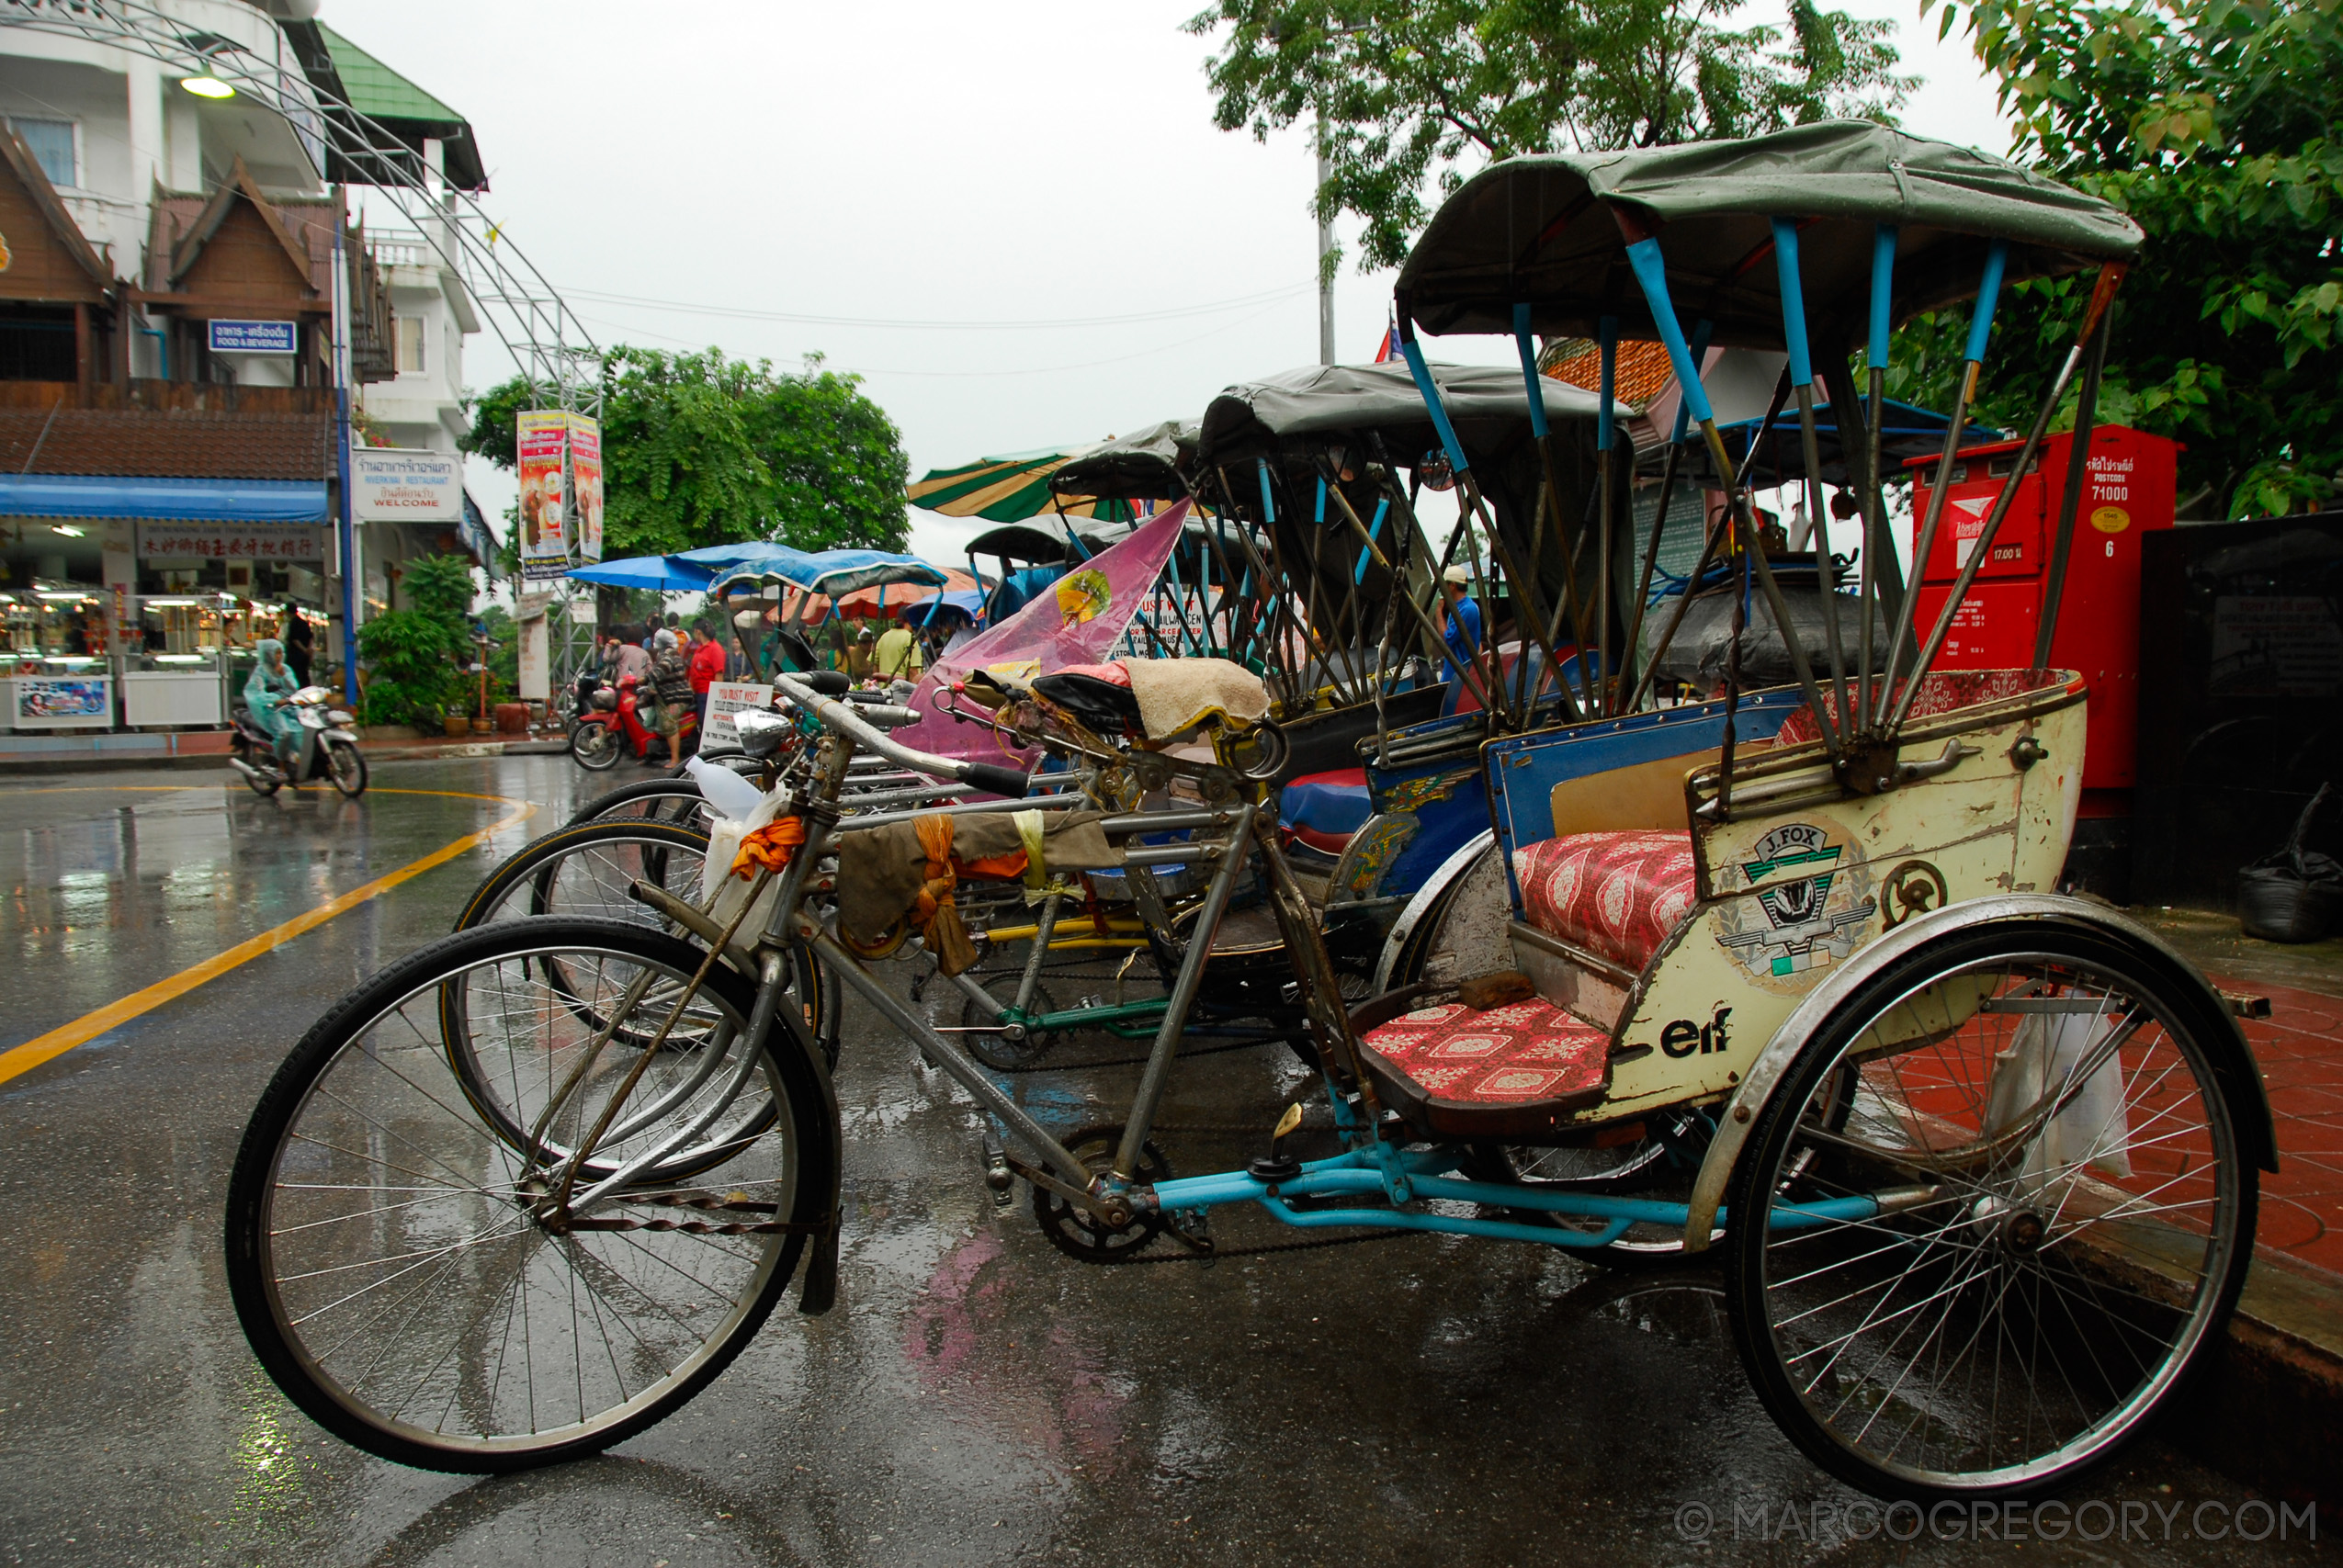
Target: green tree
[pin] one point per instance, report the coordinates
(415, 657)
(2211, 123)
(1417, 93)
(699, 449)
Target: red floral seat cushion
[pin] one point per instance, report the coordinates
(1941, 691)
(1528, 1050)
(1617, 896)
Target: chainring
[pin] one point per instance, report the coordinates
(1082, 1236)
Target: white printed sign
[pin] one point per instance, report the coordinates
(229, 541)
(390, 484)
(725, 698)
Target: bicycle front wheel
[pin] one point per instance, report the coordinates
(386, 1250)
(2033, 1219)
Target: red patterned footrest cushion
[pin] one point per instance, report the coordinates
(1529, 1051)
(1618, 896)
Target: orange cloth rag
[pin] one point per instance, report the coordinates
(769, 847)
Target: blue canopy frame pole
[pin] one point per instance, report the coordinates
(1650, 269)
(1631, 642)
(1569, 602)
(1794, 328)
(1874, 492)
(1997, 262)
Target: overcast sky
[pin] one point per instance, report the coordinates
(1015, 220)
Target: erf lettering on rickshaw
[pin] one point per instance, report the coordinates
(1776, 972)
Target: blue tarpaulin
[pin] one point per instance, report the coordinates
(169, 499)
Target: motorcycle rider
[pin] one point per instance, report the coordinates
(264, 698)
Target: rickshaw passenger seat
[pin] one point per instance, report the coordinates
(1616, 894)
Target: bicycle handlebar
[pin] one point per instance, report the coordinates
(986, 776)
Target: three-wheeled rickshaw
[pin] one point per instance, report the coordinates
(1980, 1159)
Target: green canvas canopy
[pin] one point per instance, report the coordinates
(1544, 232)
(1488, 403)
(1144, 466)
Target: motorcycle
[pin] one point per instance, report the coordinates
(611, 724)
(328, 748)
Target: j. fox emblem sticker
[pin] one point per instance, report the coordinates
(1797, 924)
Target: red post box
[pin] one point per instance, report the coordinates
(2127, 492)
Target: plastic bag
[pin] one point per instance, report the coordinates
(2295, 895)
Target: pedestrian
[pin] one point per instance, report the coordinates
(633, 659)
(1459, 629)
(897, 656)
(301, 643)
(670, 680)
(706, 666)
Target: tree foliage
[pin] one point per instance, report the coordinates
(415, 656)
(1417, 93)
(2212, 122)
(699, 449)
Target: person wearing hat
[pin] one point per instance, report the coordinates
(1459, 626)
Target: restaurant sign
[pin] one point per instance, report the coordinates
(392, 484)
(252, 337)
(230, 541)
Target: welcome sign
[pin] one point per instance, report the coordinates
(392, 484)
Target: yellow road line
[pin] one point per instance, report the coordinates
(89, 1026)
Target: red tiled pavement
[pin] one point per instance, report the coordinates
(2300, 1048)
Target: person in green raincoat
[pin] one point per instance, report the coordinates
(265, 696)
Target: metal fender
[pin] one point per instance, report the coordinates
(1421, 908)
(2247, 1096)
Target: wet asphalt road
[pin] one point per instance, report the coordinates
(976, 1397)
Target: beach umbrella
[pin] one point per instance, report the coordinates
(1006, 490)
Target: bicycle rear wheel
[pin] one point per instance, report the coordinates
(386, 1253)
(2073, 1213)
(658, 800)
(588, 871)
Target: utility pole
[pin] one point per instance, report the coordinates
(1325, 250)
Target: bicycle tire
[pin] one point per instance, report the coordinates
(315, 1107)
(685, 803)
(664, 849)
(2019, 1222)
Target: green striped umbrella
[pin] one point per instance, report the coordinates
(1008, 490)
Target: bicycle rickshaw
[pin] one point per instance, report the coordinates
(1984, 1163)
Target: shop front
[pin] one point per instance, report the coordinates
(137, 604)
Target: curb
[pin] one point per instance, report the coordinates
(2268, 1406)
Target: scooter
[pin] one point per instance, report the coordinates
(610, 726)
(328, 748)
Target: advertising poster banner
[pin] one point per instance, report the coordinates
(541, 440)
(47, 703)
(390, 484)
(725, 698)
(585, 484)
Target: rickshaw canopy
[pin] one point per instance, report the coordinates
(1545, 231)
(819, 572)
(1143, 466)
(1255, 419)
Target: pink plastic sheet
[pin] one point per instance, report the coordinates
(1085, 615)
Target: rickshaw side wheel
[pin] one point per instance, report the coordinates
(2046, 1205)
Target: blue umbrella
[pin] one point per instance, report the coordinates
(968, 601)
(667, 573)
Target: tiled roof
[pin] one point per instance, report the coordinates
(1642, 369)
(168, 444)
(377, 90)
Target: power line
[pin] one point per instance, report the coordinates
(795, 318)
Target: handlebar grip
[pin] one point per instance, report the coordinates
(828, 683)
(994, 780)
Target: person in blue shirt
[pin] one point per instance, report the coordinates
(1459, 627)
